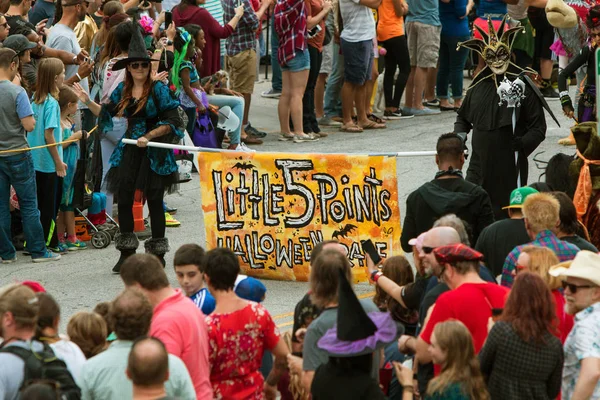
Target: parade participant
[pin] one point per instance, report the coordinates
(499, 136)
(152, 114)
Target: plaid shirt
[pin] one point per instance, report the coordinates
(244, 36)
(290, 25)
(564, 251)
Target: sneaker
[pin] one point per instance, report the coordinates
(48, 257)
(60, 248)
(250, 130)
(170, 210)
(549, 93)
(271, 94)
(425, 111)
(392, 115)
(251, 140)
(305, 138)
(326, 121)
(171, 222)
(321, 134)
(74, 246)
(406, 113)
(10, 260)
(432, 103)
(244, 148)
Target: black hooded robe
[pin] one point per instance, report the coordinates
(492, 163)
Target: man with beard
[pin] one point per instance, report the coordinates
(581, 281)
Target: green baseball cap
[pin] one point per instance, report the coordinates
(518, 196)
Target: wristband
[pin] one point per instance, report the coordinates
(169, 43)
(563, 93)
(88, 102)
(375, 276)
(409, 388)
(157, 51)
(78, 76)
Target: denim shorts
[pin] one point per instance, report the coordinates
(300, 62)
(358, 61)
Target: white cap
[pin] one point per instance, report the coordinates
(586, 265)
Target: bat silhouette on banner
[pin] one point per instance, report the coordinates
(344, 231)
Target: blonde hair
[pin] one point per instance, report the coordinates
(88, 331)
(461, 366)
(540, 261)
(48, 70)
(541, 211)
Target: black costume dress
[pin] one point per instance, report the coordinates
(492, 164)
(586, 109)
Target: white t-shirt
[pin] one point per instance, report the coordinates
(71, 354)
(358, 21)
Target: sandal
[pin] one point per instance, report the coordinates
(305, 137)
(285, 137)
(351, 128)
(251, 140)
(375, 118)
(374, 125)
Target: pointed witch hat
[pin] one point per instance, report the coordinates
(137, 48)
(357, 333)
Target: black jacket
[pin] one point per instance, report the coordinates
(445, 196)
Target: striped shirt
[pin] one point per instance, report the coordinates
(565, 251)
(215, 9)
(204, 301)
(244, 37)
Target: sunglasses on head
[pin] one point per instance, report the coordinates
(136, 65)
(573, 288)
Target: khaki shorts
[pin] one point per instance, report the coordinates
(423, 44)
(242, 71)
(327, 63)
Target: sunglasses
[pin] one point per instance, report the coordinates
(427, 249)
(136, 65)
(573, 288)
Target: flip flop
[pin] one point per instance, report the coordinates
(375, 118)
(352, 128)
(374, 125)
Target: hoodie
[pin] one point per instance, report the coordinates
(446, 196)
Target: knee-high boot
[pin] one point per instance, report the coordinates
(127, 244)
(157, 247)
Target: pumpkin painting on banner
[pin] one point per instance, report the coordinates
(271, 209)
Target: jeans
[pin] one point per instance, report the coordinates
(396, 57)
(18, 171)
(333, 105)
(108, 142)
(452, 63)
(237, 106)
(276, 81)
(309, 118)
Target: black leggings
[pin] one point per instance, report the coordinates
(309, 118)
(155, 206)
(396, 56)
(49, 194)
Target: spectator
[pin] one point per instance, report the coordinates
(423, 29)
(326, 65)
(4, 28)
(544, 38)
(276, 80)
(541, 211)
(47, 332)
(18, 119)
(40, 391)
(22, 47)
(249, 288)
(191, 12)
(88, 331)
(148, 369)
(18, 24)
(524, 43)
(447, 193)
(470, 299)
(350, 346)
(498, 239)
(103, 309)
(86, 29)
(390, 34)
(332, 107)
(455, 29)
(103, 377)
(176, 320)
(189, 263)
(539, 260)
(240, 60)
(42, 10)
(244, 330)
(570, 227)
(522, 358)
(356, 42)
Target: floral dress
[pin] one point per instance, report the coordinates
(237, 342)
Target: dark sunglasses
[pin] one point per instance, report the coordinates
(573, 288)
(427, 249)
(136, 65)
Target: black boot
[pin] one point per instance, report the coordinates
(127, 244)
(157, 247)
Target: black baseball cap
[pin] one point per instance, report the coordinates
(18, 43)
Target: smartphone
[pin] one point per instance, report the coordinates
(369, 248)
(49, 22)
(314, 31)
(168, 19)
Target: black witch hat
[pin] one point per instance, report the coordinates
(357, 333)
(137, 49)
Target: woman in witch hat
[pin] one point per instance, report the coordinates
(152, 115)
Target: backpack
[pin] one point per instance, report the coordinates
(45, 365)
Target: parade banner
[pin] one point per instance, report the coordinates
(272, 209)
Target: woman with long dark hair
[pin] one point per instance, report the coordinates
(152, 115)
(522, 358)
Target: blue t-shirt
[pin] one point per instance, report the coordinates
(423, 11)
(47, 116)
(450, 16)
(204, 301)
(495, 7)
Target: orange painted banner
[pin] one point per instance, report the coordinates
(272, 209)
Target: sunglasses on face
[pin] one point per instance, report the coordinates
(573, 288)
(136, 65)
(427, 249)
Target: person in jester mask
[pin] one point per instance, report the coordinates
(505, 110)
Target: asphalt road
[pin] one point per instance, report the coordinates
(82, 279)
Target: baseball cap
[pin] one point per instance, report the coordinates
(585, 265)
(249, 288)
(518, 196)
(418, 241)
(21, 301)
(19, 43)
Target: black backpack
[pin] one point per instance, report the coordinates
(45, 365)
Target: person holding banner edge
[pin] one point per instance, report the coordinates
(153, 114)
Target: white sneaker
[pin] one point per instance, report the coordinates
(244, 148)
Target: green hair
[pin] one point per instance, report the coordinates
(185, 39)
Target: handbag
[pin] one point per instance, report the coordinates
(205, 134)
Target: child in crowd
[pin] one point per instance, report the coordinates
(199, 40)
(48, 162)
(68, 100)
(189, 268)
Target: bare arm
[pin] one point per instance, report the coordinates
(374, 4)
(314, 20)
(279, 367)
(307, 379)
(61, 167)
(187, 88)
(131, 4)
(400, 7)
(28, 123)
(588, 379)
(263, 8)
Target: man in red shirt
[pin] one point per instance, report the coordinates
(470, 299)
(176, 320)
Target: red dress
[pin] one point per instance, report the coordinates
(237, 342)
